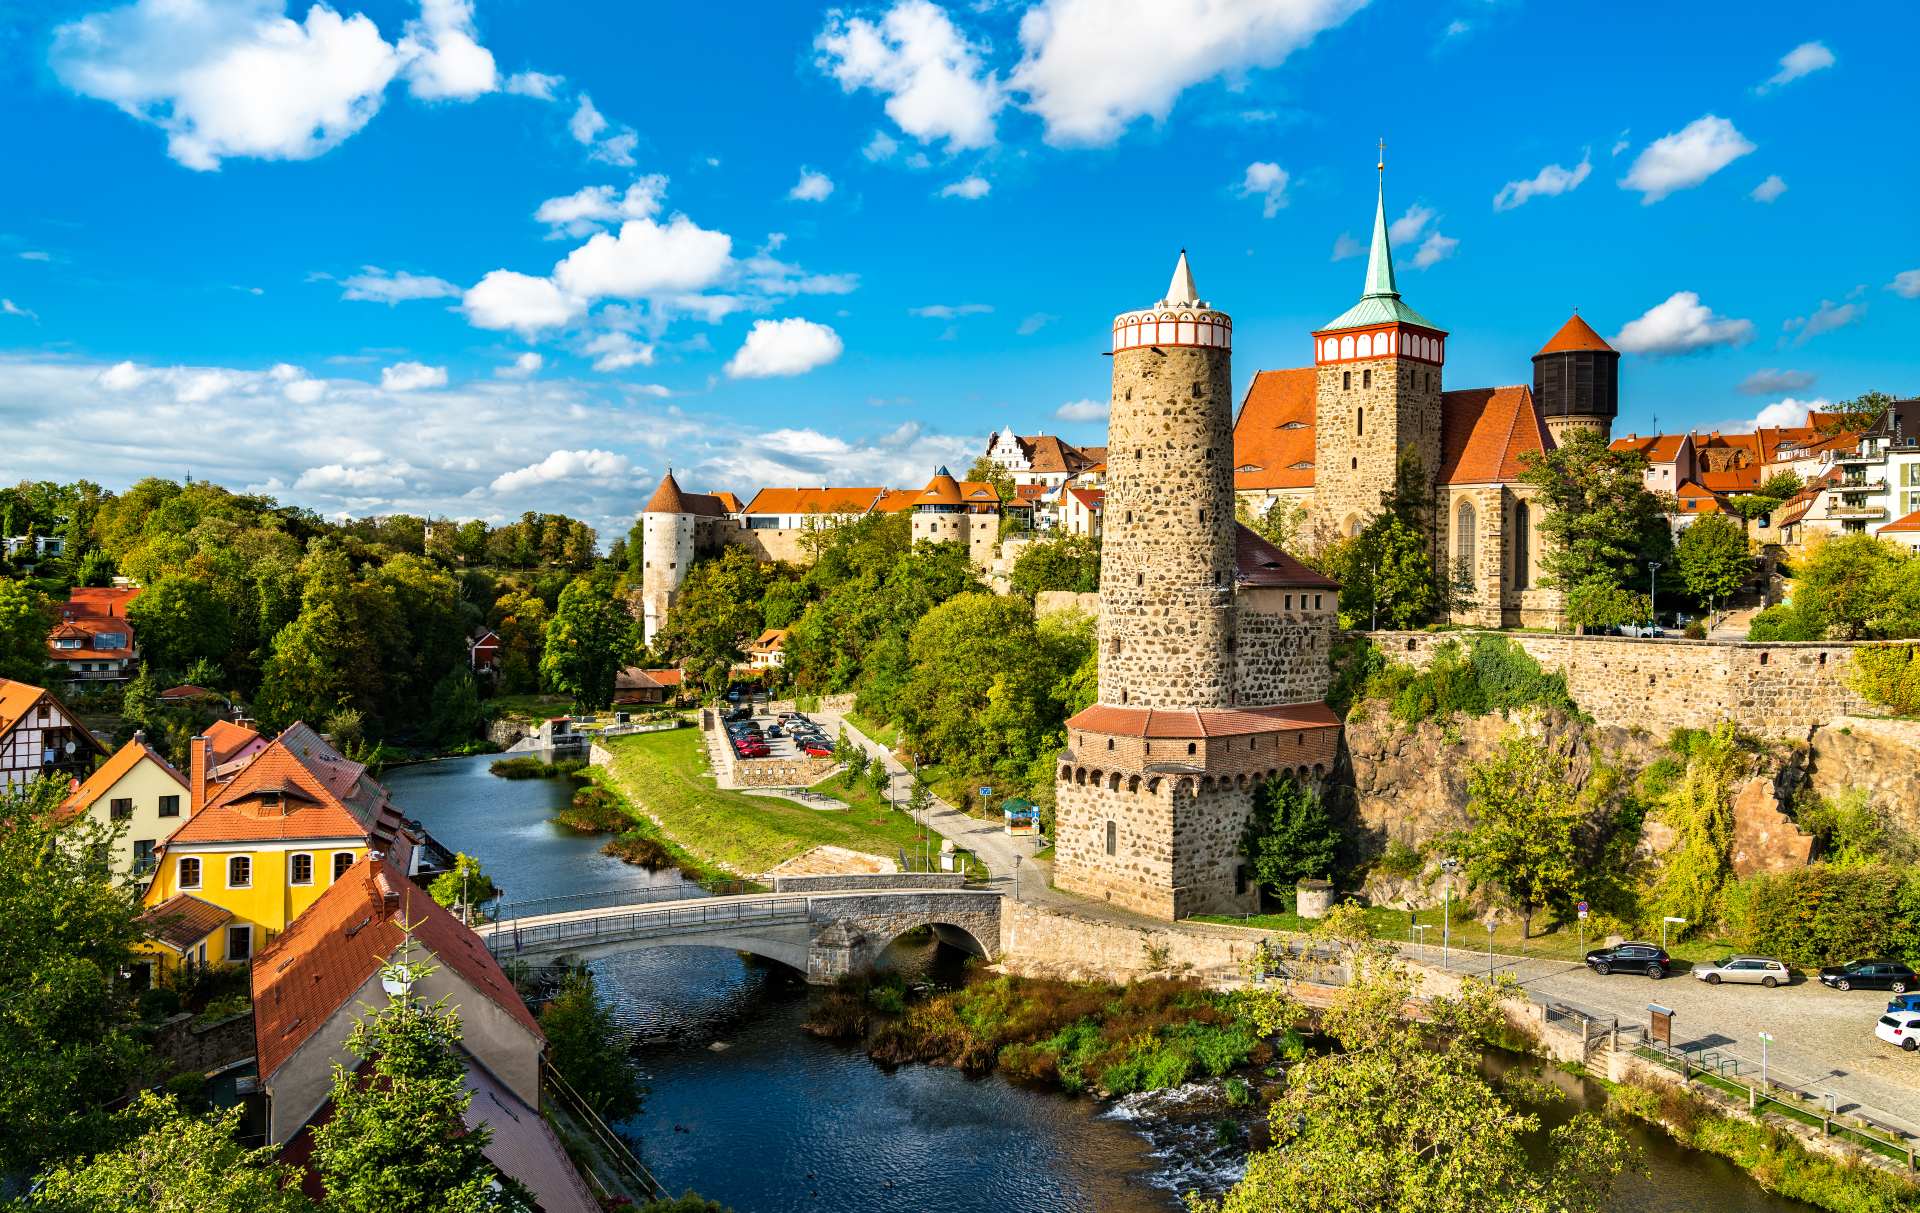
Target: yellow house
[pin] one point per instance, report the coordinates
(263, 847)
(138, 793)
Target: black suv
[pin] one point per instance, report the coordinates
(1647, 958)
(1871, 975)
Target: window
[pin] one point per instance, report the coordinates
(1360, 420)
(143, 858)
(300, 868)
(240, 943)
(1113, 838)
(189, 872)
(1366, 379)
(1465, 522)
(240, 872)
(169, 806)
(1346, 381)
(1522, 542)
(342, 860)
(1193, 747)
(120, 808)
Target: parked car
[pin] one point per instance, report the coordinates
(818, 749)
(1904, 1002)
(1747, 970)
(1647, 958)
(1900, 1028)
(1870, 975)
(740, 713)
(774, 730)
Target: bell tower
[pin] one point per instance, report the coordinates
(1377, 390)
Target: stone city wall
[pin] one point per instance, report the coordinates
(778, 772)
(1282, 653)
(1176, 847)
(1780, 690)
(1053, 941)
(1054, 602)
(192, 1047)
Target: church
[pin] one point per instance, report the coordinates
(1328, 438)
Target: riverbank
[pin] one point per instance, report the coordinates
(664, 777)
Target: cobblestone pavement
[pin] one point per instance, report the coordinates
(1823, 1039)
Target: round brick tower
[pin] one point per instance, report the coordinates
(1167, 563)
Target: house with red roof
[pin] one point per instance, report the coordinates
(1081, 510)
(92, 641)
(1045, 459)
(39, 735)
(312, 983)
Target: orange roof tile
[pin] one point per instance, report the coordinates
(1909, 523)
(1204, 722)
(730, 502)
(1485, 431)
(326, 955)
(892, 501)
(1733, 480)
(1092, 499)
(1050, 453)
(186, 690)
(669, 499)
(1259, 563)
(1575, 334)
(1273, 435)
(320, 794)
(110, 772)
(1658, 448)
(18, 698)
(665, 678)
(814, 501)
(183, 920)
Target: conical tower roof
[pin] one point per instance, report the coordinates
(1181, 292)
(943, 489)
(1380, 301)
(1575, 334)
(667, 499)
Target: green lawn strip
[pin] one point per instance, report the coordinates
(664, 775)
(1780, 1107)
(862, 799)
(884, 733)
(529, 707)
(1469, 935)
(693, 866)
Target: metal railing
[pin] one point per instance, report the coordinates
(507, 911)
(512, 938)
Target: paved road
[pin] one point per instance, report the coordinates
(1823, 1039)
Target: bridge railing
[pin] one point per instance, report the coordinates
(506, 911)
(509, 938)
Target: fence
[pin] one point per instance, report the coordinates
(633, 1173)
(512, 938)
(507, 911)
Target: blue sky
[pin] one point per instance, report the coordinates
(483, 257)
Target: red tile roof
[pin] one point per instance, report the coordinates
(1094, 500)
(109, 773)
(18, 698)
(943, 489)
(183, 920)
(1273, 435)
(1658, 448)
(669, 499)
(186, 691)
(892, 501)
(1050, 453)
(322, 795)
(1203, 722)
(345, 936)
(1259, 563)
(814, 501)
(1732, 480)
(228, 740)
(1485, 431)
(1575, 334)
(1910, 523)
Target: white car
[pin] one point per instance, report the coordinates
(1900, 1028)
(1750, 970)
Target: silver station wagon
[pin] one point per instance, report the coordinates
(1750, 970)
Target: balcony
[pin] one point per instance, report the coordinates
(1860, 512)
(1862, 486)
(1861, 458)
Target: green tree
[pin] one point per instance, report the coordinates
(1525, 815)
(1696, 804)
(520, 620)
(1601, 602)
(24, 622)
(1862, 412)
(66, 929)
(457, 714)
(852, 756)
(179, 621)
(173, 1162)
(466, 883)
(1601, 526)
(717, 611)
(1289, 835)
(1070, 562)
(398, 1138)
(1281, 522)
(590, 1051)
(1713, 559)
(986, 471)
(590, 639)
(1889, 676)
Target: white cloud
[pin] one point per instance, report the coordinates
(1685, 158)
(1082, 410)
(1268, 182)
(1407, 228)
(200, 386)
(563, 465)
(881, 147)
(295, 384)
(645, 258)
(121, 377)
(1548, 182)
(933, 78)
(1621, 142)
(1680, 325)
(1345, 246)
(970, 188)
(1029, 325)
(1802, 60)
(1769, 381)
(1781, 414)
(525, 365)
(411, 376)
(9, 308)
(949, 311)
(583, 212)
(229, 78)
(36, 255)
(1769, 189)
(443, 55)
(1906, 284)
(588, 126)
(812, 187)
(1825, 319)
(618, 351)
(784, 347)
(356, 478)
(521, 302)
(375, 285)
(537, 85)
(587, 122)
(1091, 67)
(1434, 249)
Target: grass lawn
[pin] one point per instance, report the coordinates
(1469, 935)
(665, 774)
(530, 707)
(887, 735)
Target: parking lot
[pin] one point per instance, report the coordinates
(757, 734)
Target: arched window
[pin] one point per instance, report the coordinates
(1330, 349)
(1346, 347)
(1522, 545)
(1363, 347)
(1464, 525)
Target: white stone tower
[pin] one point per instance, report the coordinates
(668, 528)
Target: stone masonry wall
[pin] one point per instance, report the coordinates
(779, 772)
(1053, 941)
(1176, 846)
(1166, 581)
(1228, 757)
(1780, 690)
(847, 881)
(1355, 456)
(1282, 647)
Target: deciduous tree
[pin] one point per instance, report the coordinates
(1525, 817)
(1601, 525)
(1713, 559)
(1069, 562)
(24, 621)
(179, 621)
(590, 1051)
(590, 639)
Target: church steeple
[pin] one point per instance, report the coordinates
(1380, 259)
(1380, 302)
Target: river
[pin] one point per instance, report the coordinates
(774, 1120)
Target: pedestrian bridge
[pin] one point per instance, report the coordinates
(825, 926)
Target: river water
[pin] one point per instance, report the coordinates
(750, 1110)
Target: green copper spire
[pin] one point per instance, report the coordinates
(1380, 303)
(1380, 259)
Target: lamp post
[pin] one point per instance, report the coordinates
(1664, 922)
(1489, 947)
(1016, 876)
(1766, 1038)
(1653, 607)
(1446, 908)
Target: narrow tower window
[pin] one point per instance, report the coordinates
(1366, 379)
(1346, 381)
(1521, 555)
(1463, 544)
(1359, 421)
(1113, 838)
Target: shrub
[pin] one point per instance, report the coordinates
(158, 1003)
(1400, 862)
(1826, 915)
(1889, 676)
(639, 850)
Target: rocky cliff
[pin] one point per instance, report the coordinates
(1881, 757)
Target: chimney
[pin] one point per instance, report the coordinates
(199, 771)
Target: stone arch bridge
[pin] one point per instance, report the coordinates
(825, 926)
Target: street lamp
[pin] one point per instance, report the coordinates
(1448, 866)
(1653, 608)
(1664, 923)
(1766, 1038)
